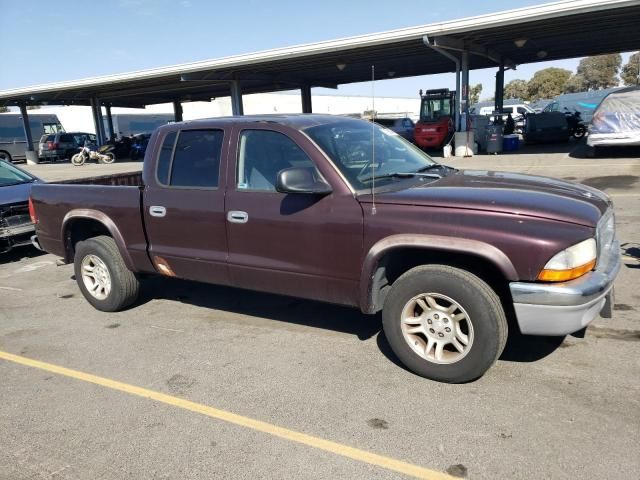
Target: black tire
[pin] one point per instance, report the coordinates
(482, 305)
(579, 132)
(110, 155)
(124, 284)
(6, 156)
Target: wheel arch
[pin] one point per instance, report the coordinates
(82, 224)
(392, 256)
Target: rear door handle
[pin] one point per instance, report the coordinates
(157, 211)
(236, 216)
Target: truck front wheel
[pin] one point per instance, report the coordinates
(102, 275)
(444, 323)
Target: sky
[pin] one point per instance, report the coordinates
(44, 41)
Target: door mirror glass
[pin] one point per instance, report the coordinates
(302, 180)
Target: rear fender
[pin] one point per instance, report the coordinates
(100, 217)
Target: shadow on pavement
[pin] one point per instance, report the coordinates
(20, 253)
(529, 348)
(262, 305)
(314, 314)
(582, 150)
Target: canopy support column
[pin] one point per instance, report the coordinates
(465, 91)
(305, 94)
(30, 154)
(236, 98)
(96, 110)
(499, 98)
(177, 110)
(26, 127)
(455, 60)
(458, 99)
(112, 134)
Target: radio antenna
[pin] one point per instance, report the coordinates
(373, 140)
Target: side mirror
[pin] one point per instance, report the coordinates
(302, 180)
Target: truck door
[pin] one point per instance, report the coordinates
(303, 245)
(184, 210)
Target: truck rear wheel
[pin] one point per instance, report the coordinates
(444, 323)
(102, 276)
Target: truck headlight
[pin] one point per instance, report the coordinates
(571, 263)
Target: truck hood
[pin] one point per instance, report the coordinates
(15, 193)
(504, 192)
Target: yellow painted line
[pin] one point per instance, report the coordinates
(264, 427)
(579, 165)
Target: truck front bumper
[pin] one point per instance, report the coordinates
(563, 308)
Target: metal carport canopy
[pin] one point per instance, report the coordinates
(553, 31)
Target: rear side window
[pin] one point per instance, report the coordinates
(66, 138)
(164, 160)
(196, 159)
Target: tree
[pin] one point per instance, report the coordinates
(548, 83)
(576, 83)
(516, 89)
(631, 71)
(4, 109)
(600, 71)
(474, 93)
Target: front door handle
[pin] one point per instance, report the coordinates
(157, 211)
(236, 216)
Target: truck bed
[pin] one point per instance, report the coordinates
(132, 179)
(112, 200)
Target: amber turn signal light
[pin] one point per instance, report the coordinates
(565, 275)
(163, 266)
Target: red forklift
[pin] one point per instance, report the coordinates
(437, 115)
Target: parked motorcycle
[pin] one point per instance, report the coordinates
(103, 154)
(577, 128)
(139, 146)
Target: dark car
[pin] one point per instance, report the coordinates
(63, 145)
(343, 211)
(402, 126)
(16, 228)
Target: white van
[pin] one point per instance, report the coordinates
(13, 143)
(518, 110)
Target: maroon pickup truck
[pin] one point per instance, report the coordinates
(345, 211)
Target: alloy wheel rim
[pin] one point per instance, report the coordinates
(437, 328)
(96, 277)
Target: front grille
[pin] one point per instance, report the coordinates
(606, 235)
(12, 216)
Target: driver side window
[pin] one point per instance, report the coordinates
(262, 154)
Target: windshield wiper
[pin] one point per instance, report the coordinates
(401, 175)
(433, 166)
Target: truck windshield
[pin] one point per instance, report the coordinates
(432, 109)
(9, 175)
(350, 144)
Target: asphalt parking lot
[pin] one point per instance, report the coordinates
(204, 382)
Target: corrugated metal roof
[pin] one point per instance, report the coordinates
(561, 30)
